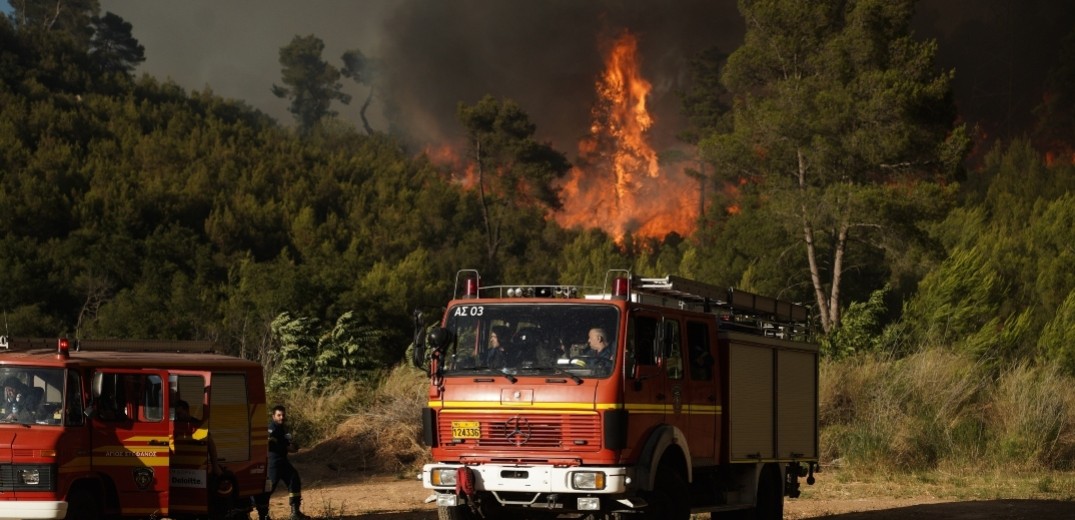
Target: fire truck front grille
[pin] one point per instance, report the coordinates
(525, 432)
(27, 477)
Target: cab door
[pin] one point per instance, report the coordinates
(130, 433)
(675, 395)
(644, 378)
(702, 395)
(190, 471)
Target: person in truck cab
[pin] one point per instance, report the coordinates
(603, 356)
(16, 401)
(500, 355)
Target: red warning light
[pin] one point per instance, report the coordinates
(620, 288)
(470, 288)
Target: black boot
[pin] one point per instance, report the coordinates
(263, 512)
(295, 513)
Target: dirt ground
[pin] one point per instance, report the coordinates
(333, 494)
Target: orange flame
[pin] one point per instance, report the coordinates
(618, 184)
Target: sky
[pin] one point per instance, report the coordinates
(546, 54)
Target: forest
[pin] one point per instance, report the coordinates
(133, 208)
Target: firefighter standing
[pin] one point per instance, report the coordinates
(280, 468)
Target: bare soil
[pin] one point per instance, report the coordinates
(331, 493)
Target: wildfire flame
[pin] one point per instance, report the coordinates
(617, 183)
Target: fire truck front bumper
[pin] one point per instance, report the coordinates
(32, 510)
(527, 485)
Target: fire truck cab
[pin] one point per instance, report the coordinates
(651, 398)
(90, 429)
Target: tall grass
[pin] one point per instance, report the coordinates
(373, 424)
(936, 408)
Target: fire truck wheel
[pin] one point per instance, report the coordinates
(456, 513)
(81, 505)
(669, 499)
(770, 495)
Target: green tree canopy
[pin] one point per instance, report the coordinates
(837, 109)
(113, 47)
(513, 169)
(311, 83)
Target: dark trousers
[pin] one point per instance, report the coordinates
(280, 470)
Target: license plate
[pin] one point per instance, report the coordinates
(466, 430)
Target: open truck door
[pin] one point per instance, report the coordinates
(190, 468)
(130, 437)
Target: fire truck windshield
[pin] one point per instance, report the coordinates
(32, 395)
(531, 339)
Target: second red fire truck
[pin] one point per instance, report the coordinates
(90, 430)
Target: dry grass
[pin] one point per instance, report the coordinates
(941, 484)
(360, 428)
(932, 417)
(936, 409)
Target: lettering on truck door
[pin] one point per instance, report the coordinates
(130, 433)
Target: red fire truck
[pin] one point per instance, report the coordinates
(652, 398)
(88, 429)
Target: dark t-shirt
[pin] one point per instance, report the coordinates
(279, 441)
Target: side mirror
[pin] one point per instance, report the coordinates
(418, 354)
(439, 338)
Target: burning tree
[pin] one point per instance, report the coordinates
(619, 183)
(841, 119)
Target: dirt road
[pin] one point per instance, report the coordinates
(338, 495)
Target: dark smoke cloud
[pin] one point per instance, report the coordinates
(546, 54)
(543, 54)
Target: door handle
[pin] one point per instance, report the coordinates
(158, 443)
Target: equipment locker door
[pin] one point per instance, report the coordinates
(130, 433)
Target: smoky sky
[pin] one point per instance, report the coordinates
(546, 54)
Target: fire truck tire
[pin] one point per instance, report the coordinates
(670, 498)
(770, 504)
(456, 513)
(81, 505)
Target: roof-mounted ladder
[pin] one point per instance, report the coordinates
(737, 305)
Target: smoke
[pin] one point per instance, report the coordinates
(546, 54)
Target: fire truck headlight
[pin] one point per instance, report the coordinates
(588, 480)
(442, 477)
(30, 477)
(588, 503)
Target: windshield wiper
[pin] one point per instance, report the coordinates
(560, 371)
(503, 371)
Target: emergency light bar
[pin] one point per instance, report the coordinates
(64, 346)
